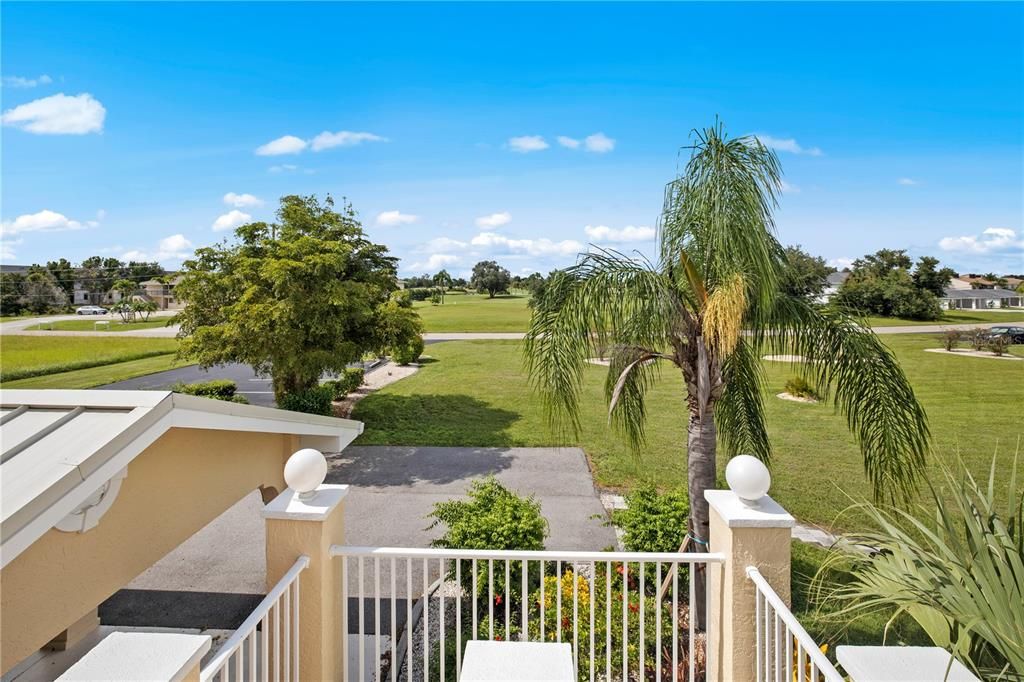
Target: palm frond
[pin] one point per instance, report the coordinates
(739, 413)
(631, 372)
(850, 364)
(719, 212)
(605, 300)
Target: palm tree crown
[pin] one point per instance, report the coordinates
(710, 307)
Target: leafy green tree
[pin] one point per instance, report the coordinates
(12, 300)
(805, 276)
(490, 277)
(40, 292)
(709, 308)
(930, 277)
(294, 299)
(97, 275)
(144, 308)
(64, 276)
(882, 284)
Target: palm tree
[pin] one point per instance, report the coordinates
(711, 307)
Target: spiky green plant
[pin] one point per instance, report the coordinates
(709, 308)
(959, 575)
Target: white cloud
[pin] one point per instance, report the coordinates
(6, 252)
(43, 221)
(527, 143)
(288, 144)
(436, 262)
(342, 138)
(908, 182)
(242, 200)
(283, 168)
(532, 247)
(173, 248)
(991, 240)
(787, 144)
(58, 115)
(841, 263)
(629, 233)
(20, 82)
(231, 220)
(444, 244)
(494, 220)
(789, 189)
(599, 143)
(568, 142)
(395, 218)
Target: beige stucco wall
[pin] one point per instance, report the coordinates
(732, 595)
(175, 487)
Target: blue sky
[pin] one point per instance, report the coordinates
(134, 130)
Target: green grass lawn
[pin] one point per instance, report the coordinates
(953, 317)
(88, 324)
(476, 393)
(32, 356)
(475, 313)
(99, 376)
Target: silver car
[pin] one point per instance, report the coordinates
(91, 310)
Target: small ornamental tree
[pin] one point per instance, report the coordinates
(295, 299)
(490, 277)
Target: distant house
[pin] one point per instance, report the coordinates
(959, 283)
(980, 299)
(161, 293)
(832, 284)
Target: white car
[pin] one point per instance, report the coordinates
(91, 310)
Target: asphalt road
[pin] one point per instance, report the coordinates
(257, 389)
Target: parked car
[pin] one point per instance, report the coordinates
(91, 310)
(1012, 334)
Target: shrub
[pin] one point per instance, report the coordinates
(316, 400)
(951, 338)
(218, 389)
(493, 517)
(978, 338)
(998, 344)
(437, 297)
(653, 522)
(408, 352)
(418, 294)
(801, 388)
(349, 381)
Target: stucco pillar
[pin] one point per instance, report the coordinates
(747, 534)
(296, 527)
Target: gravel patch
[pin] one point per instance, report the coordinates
(795, 398)
(784, 358)
(376, 379)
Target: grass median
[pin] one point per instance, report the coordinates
(35, 356)
(89, 325)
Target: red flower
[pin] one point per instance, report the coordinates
(634, 608)
(619, 569)
(497, 600)
(565, 621)
(497, 638)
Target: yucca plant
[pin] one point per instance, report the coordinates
(708, 309)
(960, 575)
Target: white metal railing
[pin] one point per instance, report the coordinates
(778, 632)
(605, 604)
(266, 645)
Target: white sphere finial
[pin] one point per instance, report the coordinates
(748, 477)
(305, 471)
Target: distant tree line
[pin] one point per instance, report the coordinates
(488, 277)
(51, 287)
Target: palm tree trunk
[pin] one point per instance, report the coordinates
(701, 444)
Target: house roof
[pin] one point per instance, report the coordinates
(57, 448)
(981, 293)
